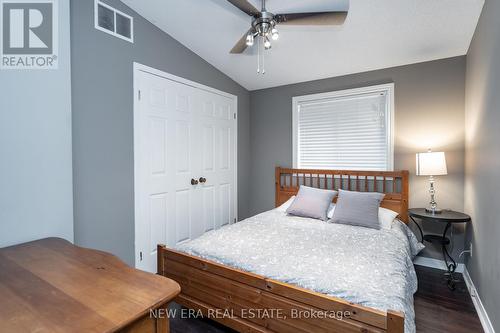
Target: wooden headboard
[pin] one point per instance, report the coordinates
(393, 183)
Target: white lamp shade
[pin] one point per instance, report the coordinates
(431, 164)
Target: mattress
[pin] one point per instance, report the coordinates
(369, 267)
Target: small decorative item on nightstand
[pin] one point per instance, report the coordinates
(431, 164)
(449, 217)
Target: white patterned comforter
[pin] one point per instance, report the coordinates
(365, 266)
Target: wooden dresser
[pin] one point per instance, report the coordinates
(52, 286)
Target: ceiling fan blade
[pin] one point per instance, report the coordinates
(317, 18)
(241, 45)
(245, 7)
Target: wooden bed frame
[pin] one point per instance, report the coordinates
(248, 302)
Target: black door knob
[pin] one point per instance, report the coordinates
(203, 180)
(194, 182)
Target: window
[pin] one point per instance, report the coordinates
(345, 130)
(113, 21)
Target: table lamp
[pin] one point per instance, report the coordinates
(431, 164)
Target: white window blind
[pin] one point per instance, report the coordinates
(344, 130)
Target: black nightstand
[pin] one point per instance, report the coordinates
(449, 217)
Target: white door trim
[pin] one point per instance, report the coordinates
(137, 67)
(154, 71)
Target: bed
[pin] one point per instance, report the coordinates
(277, 273)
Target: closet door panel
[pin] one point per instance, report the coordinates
(182, 134)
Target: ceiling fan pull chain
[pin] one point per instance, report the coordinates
(258, 55)
(263, 56)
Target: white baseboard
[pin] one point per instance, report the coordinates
(435, 263)
(481, 311)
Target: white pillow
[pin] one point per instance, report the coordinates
(285, 206)
(385, 216)
(330, 211)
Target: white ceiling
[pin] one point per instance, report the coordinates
(376, 34)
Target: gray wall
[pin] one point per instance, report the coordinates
(429, 112)
(35, 149)
(103, 154)
(483, 158)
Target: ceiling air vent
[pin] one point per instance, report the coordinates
(113, 21)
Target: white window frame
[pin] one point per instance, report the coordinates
(115, 11)
(382, 88)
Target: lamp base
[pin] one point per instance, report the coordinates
(433, 211)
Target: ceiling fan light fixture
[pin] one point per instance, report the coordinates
(250, 39)
(263, 26)
(275, 34)
(267, 43)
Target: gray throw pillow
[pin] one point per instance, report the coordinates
(358, 208)
(312, 202)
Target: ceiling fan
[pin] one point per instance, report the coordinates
(264, 24)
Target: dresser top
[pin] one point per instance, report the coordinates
(50, 285)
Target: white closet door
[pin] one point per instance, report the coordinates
(217, 131)
(181, 134)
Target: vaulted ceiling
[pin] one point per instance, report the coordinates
(376, 34)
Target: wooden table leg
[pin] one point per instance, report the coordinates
(163, 322)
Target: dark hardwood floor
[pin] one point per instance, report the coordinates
(437, 309)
